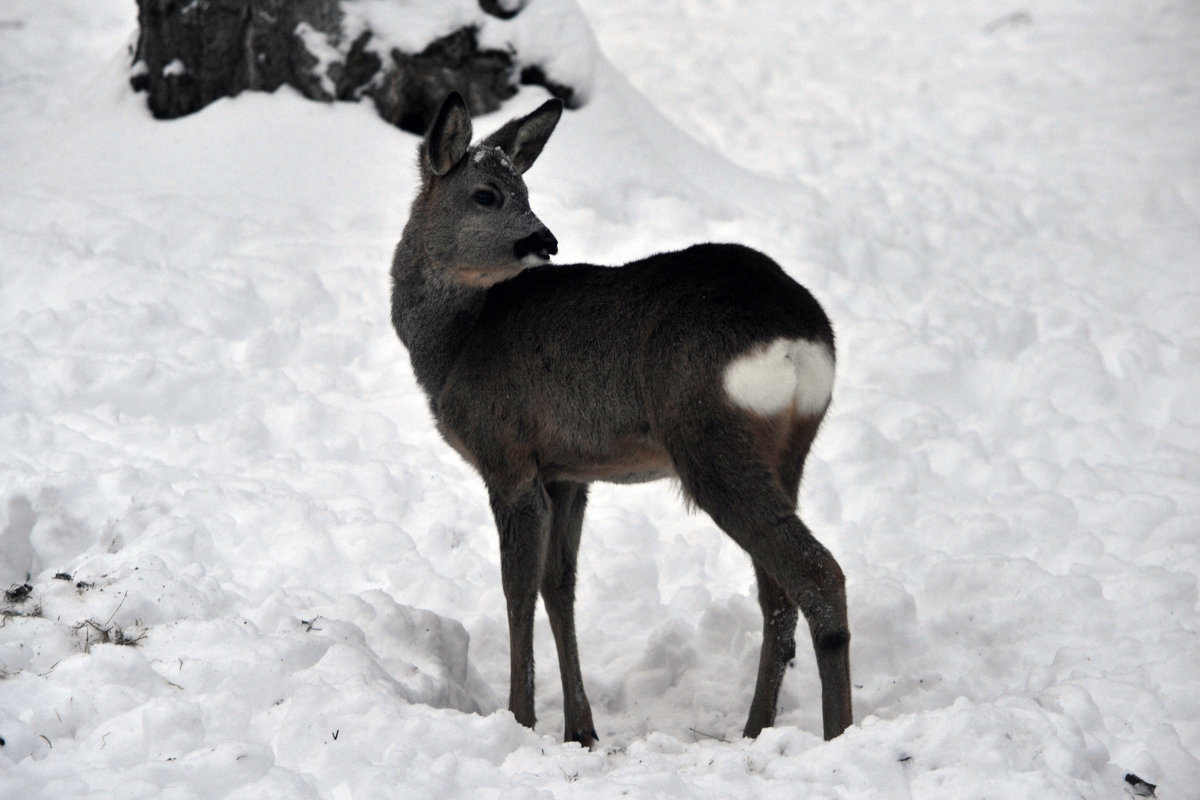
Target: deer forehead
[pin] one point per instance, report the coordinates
(784, 372)
(493, 159)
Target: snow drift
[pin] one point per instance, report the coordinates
(254, 570)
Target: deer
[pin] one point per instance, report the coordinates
(709, 366)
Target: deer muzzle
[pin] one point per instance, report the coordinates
(536, 248)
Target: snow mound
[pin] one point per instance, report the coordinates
(239, 562)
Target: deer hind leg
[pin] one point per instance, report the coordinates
(523, 521)
(778, 649)
(722, 465)
(567, 502)
(832, 644)
(786, 441)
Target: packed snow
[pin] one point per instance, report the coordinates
(239, 562)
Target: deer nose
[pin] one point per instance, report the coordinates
(551, 244)
(537, 247)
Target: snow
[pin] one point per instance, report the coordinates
(409, 25)
(324, 53)
(214, 449)
(550, 34)
(554, 36)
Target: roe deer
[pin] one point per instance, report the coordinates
(708, 365)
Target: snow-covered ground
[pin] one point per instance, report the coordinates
(212, 446)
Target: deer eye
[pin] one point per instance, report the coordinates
(486, 198)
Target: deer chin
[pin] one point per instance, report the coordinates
(483, 277)
(535, 259)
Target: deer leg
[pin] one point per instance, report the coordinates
(779, 610)
(722, 470)
(823, 601)
(813, 579)
(523, 521)
(567, 501)
(778, 649)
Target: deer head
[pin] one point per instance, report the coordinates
(472, 217)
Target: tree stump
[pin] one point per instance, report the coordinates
(192, 52)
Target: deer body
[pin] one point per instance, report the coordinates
(709, 365)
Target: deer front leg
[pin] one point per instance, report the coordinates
(567, 501)
(523, 521)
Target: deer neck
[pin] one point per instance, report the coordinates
(431, 314)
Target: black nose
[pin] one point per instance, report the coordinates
(541, 243)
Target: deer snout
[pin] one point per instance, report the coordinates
(536, 248)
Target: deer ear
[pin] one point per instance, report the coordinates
(523, 138)
(449, 136)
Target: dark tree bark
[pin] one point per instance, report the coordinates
(410, 94)
(192, 52)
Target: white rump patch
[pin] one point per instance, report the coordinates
(786, 372)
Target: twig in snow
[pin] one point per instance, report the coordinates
(118, 608)
(709, 735)
(109, 634)
(1015, 19)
